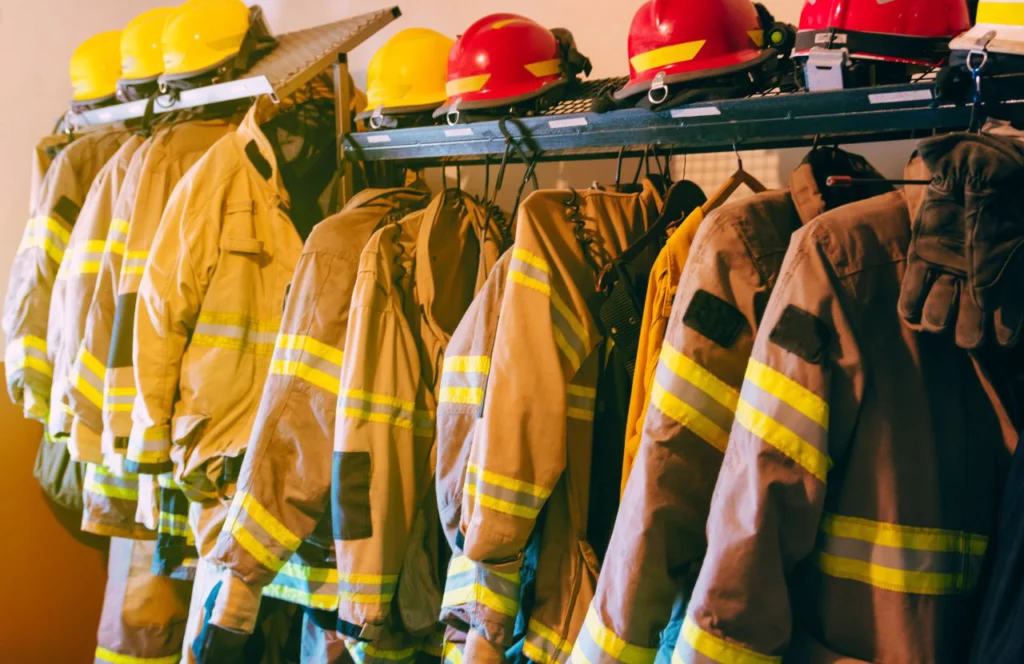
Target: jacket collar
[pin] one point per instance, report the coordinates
(807, 186)
(258, 153)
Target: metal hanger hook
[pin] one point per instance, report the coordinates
(739, 159)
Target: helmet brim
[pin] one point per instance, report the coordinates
(478, 104)
(638, 87)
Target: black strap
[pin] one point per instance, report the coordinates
(622, 314)
(232, 468)
(896, 46)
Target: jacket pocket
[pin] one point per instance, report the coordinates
(350, 496)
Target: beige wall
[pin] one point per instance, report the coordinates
(38, 36)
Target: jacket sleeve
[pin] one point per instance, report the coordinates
(177, 274)
(658, 540)
(27, 305)
(284, 486)
(383, 440)
(535, 390)
(85, 393)
(797, 407)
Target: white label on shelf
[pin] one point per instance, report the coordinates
(378, 138)
(567, 122)
(456, 133)
(699, 112)
(897, 97)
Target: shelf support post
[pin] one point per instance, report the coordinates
(343, 124)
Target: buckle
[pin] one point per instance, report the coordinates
(824, 68)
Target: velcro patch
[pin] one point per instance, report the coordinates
(67, 209)
(802, 333)
(258, 160)
(715, 318)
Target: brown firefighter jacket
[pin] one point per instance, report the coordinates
(73, 293)
(415, 282)
(858, 491)
(658, 540)
(27, 304)
(532, 444)
(277, 536)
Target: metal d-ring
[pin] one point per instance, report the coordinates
(658, 86)
(377, 119)
(452, 116)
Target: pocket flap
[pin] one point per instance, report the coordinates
(242, 245)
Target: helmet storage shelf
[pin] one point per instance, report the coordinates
(572, 131)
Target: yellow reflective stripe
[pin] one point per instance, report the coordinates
(460, 564)
(93, 364)
(116, 658)
(530, 282)
(462, 395)
(784, 440)
(498, 25)
(545, 67)
(468, 84)
(452, 654)
(139, 255)
(87, 267)
(132, 269)
(580, 414)
(36, 364)
(124, 493)
(692, 372)
(93, 395)
(499, 505)
(255, 548)
(118, 226)
(690, 417)
(44, 243)
(549, 635)
(667, 55)
(756, 36)
(788, 390)
(365, 598)
(121, 391)
(468, 364)
(114, 247)
(268, 521)
(506, 482)
(89, 246)
(31, 341)
(480, 594)
(888, 578)
(364, 579)
(380, 399)
(311, 346)
(581, 391)
(531, 258)
(147, 456)
(903, 537)
(306, 373)
(612, 645)
(314, 574)
(574, 322)
(1001, 13)
(720, 650)
(301, 597)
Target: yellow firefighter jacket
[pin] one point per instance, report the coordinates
(27, 305)
(73, 293)
(658, 540)
(277, 536)
(415, 282)
(858, 492)
(532, 443)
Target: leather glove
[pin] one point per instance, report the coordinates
(963, 266)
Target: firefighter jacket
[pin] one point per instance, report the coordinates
(175, 150)
(658, 541)
(661, 291)
(27, 305)
(531, 448)
(859, 488)
(277, 536)
(209, 308)
(73, 293)
(415, 282)
(45, 152)
(110, 495)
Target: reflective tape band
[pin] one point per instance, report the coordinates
(545, 646)
(505, 494)
(47, 234)
(386, 409)
(312, 587)
(463, 379)
(367, 653)
(581, 401)
(461, 86)
(373, 589)
(452, 653)
(308, 359)
(472, 583)
(695, 646)
(235, 332)
(597, 644)
(134, 262)
(259, 532)
(105, 656)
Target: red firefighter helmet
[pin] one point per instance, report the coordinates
(670, 41)
(912, 32)
(502, 60)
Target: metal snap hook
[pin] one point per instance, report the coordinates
(452, 117)
(377, 119)
(658, 88)
(976, 70)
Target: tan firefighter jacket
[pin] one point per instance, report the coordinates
(73, 294)
(45, 152)
(532, 443)
(277, 536)
(110, 495)
(658, 540)
(209, 308)
(415, 282)
(34, 271)
(859, 488)
(174, 151)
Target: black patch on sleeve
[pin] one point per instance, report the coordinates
(122, 341)
(715, 318)
(803, 334)
(67, 210)
(350, 496)
(258, 160)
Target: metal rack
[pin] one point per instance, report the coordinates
(775, 120)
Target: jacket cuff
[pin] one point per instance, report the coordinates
(484, 597)
(36, 405)
(237, 604)
(149, 450)
(481, 651)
